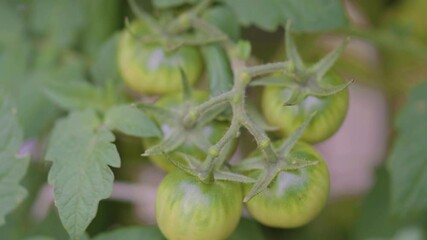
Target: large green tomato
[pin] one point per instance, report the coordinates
(295, 197)
(187, 208)
(331, 111)
(148, 68)
(212, 132)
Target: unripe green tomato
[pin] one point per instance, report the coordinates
(295, 197)
(187, 208)
(212, 131)
(331, 111)
(148, 68)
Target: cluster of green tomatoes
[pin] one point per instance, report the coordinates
(188, 208)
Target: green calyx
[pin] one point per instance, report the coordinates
(305, 81)
(270, 169)
(186, 29)
(196, 168)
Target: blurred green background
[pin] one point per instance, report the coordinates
(44, 41)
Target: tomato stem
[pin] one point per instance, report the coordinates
(201, 7)
(183, 21)
(145, 17)
(195, 113)
(215, 158)
(263, 141)
(258, 70)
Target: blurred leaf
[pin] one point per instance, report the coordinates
(375, 221)
(306, 15)
(105, 67)
(132, 233)
(407, 162)
(13, 165)
(131, 121)
(223, 18)
(75, 95)
(68, 21)
(20, 223)
(11, 23)
(251, 12)
(13, 64)
(172, 3)
(39, 238)
(218, 68)
(102, 20)
(81, 153)
(24, 69)
(50, 225)
(247, 229)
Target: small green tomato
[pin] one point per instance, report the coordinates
(188, 209)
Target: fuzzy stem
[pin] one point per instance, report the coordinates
(183, 21)
(201, 109)
(147, 18)
(202, 6)
(263, 141)
(213, 159)
(267, 68)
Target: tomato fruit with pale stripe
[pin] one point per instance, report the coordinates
(330, 111)
(187, 208)
(295, 197)
(148, 68)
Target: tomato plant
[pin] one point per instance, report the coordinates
(189, 209)
(149, 68)
(294, 197)
(331, 111)
(94, 88)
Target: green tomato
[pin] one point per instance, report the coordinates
(148, 68)
(331, 111)
(212, 132)
(294, 197)
(187, 208)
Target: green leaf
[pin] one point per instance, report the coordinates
(375, 221)
(312, 15)
(69, 20)
(306, 15)
(11, 23)
(39, 238)
(105, 67)
(254, 12)
(131, 121)
(132, 233)
(103, 17)
(75, 95)
(407, 162)
(187, 91)
(13, 166)
(218, 68)
(223, 18)
(172, 3)
(81, 152)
